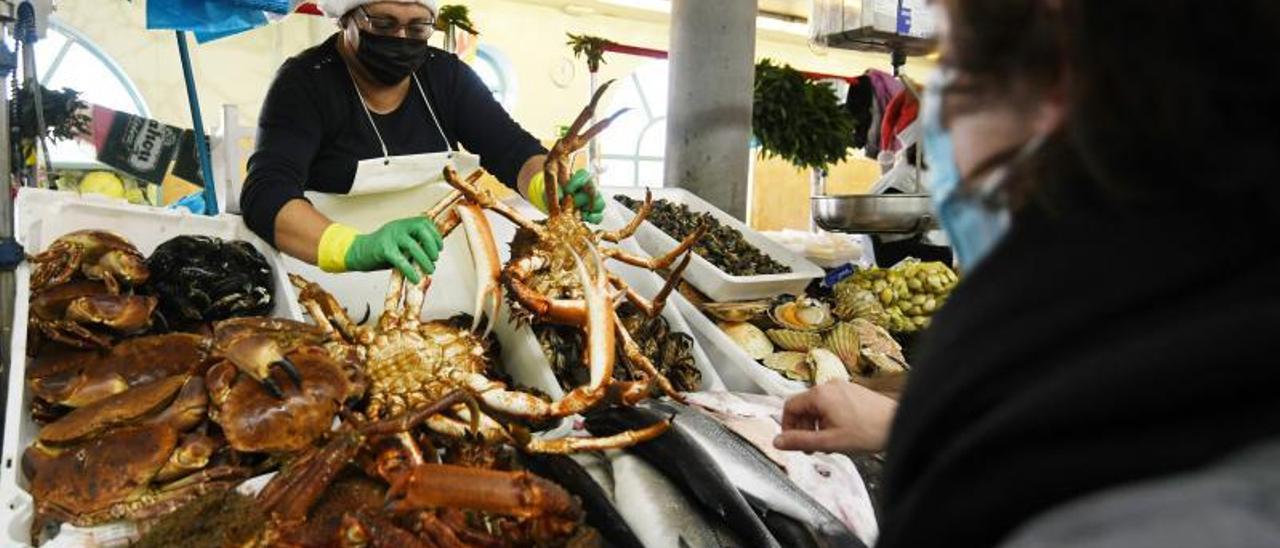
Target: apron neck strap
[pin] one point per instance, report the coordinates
(431, 110)
(386, 154)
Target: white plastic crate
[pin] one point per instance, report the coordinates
(43, 216)
(717, 284)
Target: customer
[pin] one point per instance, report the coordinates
(1116, 213)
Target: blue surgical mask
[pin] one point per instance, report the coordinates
(975, 217)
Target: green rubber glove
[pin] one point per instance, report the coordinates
(591, 210)
(400, 244)
(590, 204)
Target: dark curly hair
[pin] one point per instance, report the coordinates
(1172, 101)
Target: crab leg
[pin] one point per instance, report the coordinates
(561, 311)
(628, 231)
(71, 334)
(637, 358)
(486, 200)
(323, 307)
(654, 307)
(658, 263)
(518, 494)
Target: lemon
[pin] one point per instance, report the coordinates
(104, 183)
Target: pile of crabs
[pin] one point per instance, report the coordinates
(401, 431)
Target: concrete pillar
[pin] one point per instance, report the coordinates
(712, 68)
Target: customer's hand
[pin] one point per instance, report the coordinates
(837, 417)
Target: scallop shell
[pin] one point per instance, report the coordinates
(875, 339)
(795, 341)
(752, 340)
(802, 314)
(844, 341)
(792, 365)
(737, 312)
(854, 302)
(826, 366)
(877, 363)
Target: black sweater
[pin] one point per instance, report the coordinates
(313, 130)
(1093, 348)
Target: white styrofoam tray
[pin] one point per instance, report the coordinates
(521, 353)
(717, 284)
(43, 216)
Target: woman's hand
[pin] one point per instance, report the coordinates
(410, 245)
(837, 417)
(587, 199)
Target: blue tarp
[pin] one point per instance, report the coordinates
(213, 19)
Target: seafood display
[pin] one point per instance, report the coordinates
(163, 394)
(802, 339)
(200, 279)
(723, 246)
(900, 299)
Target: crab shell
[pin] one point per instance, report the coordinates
(122, 313)
(77, 379)
(97, 254)
(255, 421)
(115, 454)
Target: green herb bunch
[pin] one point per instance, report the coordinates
(798, 119)
(592, 47)
(455, 16)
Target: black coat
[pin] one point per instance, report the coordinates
(1094, 347)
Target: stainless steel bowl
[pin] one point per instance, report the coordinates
(874, 213)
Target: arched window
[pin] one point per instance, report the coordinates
(495, 71)
(634, 148)
(66, 58)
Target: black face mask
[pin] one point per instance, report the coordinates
(390, 59)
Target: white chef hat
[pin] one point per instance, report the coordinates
(338, 8)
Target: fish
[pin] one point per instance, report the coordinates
(831, 479)
(755, 475)
(600, 510)
(659, 513)
(697, 473)
(598, 465)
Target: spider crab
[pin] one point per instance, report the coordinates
(548, 280)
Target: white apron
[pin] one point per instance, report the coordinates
(386, 189)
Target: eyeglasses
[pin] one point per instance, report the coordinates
(418, 29)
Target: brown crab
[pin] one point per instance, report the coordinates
(133, 455)
(259, 414)
(84, 314)
(78, 378)
(96, 254)
(548, 283)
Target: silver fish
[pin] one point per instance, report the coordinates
(657, 511)
(755, 475)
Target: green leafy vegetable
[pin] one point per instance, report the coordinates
(592, 47)
(455, 16)
(799, 120)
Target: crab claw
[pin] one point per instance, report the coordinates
(484, 252)
(289, 369)
(274, 389)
